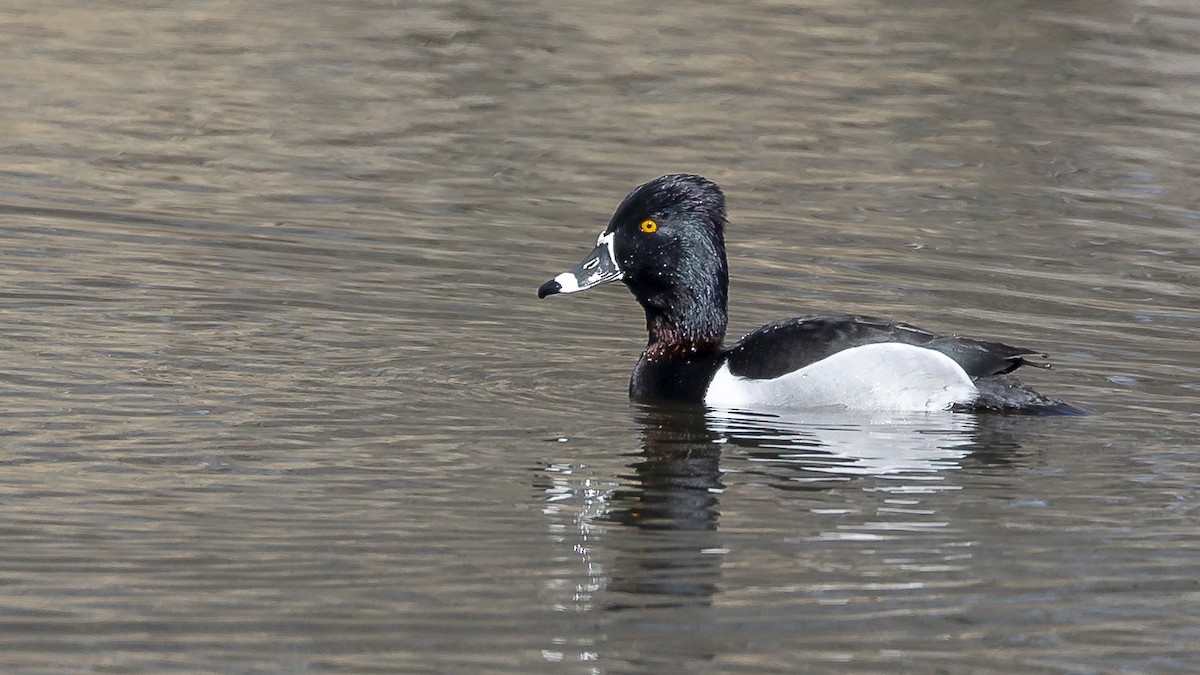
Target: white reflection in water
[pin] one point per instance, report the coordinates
(915, 446)
(575, 504)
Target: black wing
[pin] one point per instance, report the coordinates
(782, 347)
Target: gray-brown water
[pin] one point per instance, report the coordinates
(278, 396)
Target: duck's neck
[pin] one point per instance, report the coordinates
(685, 323)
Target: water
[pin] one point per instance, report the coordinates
(278, 396)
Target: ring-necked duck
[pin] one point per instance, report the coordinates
(666, 242)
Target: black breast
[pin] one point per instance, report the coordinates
(682, 378)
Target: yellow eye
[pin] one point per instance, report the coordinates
(648, 226)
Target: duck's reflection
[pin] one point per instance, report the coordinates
(651, 538)
(671, 556)
(823, 444)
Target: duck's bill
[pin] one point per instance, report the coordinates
(599, 267)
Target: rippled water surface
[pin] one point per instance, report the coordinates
(278, 395)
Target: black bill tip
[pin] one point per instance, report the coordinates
(551, 287)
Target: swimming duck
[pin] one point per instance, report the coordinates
(666, 243)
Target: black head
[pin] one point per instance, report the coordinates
(666, 241)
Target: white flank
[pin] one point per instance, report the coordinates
(883, 376)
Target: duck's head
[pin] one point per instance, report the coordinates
(666, 242)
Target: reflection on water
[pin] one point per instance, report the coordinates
(675, 489)
(660, 525)
(908, 446)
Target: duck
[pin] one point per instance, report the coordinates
(666, 243)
